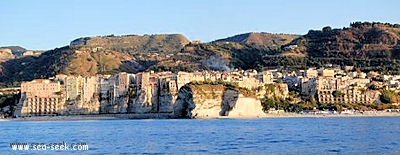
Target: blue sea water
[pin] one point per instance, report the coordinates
(352, 135)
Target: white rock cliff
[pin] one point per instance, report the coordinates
(214, 101)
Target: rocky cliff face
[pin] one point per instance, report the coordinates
(212, 101)
(151, 100)
(141, 102)
(75, 107)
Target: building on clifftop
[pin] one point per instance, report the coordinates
(40, 97)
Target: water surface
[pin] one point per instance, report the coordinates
(366, 135)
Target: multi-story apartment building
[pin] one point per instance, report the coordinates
(345, 90)
(41, 97)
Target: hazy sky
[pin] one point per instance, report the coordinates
(47, 24)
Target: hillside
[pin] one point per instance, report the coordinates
(366, 46)
(15, 48)
(6, 54)
(359, 41)
(264, 40)
(130, 53)
(91, 56)
(10, 52)
(87, 57)
(134, 44)
(32, 67)
(223, 56)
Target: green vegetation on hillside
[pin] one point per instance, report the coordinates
(389, 96)
(360, 41)
(8, 101)
(261, 40)
(244, 91)
(134, 44)
(366, 46)
(31, 67)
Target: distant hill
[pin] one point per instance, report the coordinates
(111, 54)
(6, 54)
(129, 53)
(31, 67)
(359, 41)
(366, 46)
(10, 52)
(94, 55)
(266, 40)
(15, 48)
(133, 44)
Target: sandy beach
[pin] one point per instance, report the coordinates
(363, 114)
(92, 117)
(168, 116)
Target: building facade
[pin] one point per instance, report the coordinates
(41, 97)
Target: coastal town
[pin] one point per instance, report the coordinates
(145, 92)
(157, 92)
(200, 77)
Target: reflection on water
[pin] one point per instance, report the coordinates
(377, 135)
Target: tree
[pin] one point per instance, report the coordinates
(389, 96)
(268, 104)
(337, 93)
(326, 29)
(373, 87)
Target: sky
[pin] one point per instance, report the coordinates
(48, 24)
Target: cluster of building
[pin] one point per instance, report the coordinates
(150, 92)
(145, 92)
(335, 85)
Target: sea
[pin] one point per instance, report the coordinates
(313, 135)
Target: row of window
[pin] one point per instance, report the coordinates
(365, 102)
(42, 99)
(35, 113)
(42, 110)
(41, 103)
(343, 100)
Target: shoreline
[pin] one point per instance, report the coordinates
(93, 117)
(291, 115)
(169, 116)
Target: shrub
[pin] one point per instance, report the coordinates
(337, 93)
